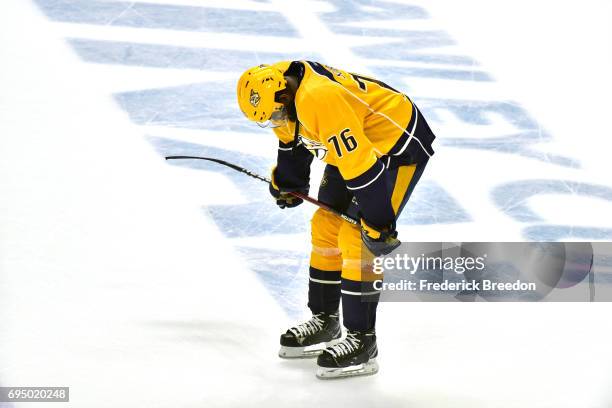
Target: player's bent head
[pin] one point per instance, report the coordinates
(259, 92)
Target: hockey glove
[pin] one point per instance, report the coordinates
(283, 196)
(379, 241)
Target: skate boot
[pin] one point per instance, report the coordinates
(310, 338)
(353, 356)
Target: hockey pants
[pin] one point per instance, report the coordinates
(336, 270)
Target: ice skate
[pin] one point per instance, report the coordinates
(353, 356)
(310, 338)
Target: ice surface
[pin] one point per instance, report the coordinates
(141, 282)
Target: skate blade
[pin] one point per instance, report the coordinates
(305, 352)
(369, 368)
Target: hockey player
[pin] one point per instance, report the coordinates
(376, 144)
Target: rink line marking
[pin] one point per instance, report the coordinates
(131, 78)
(318, 6)
(239, 42)
(407, 63)
(310, 26)
(205, 40)
(129, 7)
(397, 24)
(222, 4)
(183, 39)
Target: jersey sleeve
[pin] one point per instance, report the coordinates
(292, 172)
(337, 117)
(284, 134)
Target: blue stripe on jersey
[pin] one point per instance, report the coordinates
(321, 70)
(366, 178)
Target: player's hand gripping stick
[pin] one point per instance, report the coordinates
(297, 194)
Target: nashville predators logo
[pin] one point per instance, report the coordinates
(254, 98)
(317, 149)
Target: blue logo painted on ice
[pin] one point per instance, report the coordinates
(225, 41)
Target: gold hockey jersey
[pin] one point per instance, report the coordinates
(349, 120)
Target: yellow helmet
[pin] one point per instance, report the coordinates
(256, 92)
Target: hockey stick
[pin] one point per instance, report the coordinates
(267, 180)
